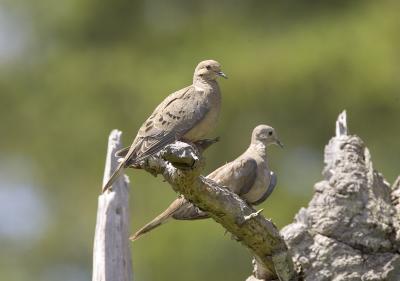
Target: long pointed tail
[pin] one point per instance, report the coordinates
(160, 219)
(114, 176)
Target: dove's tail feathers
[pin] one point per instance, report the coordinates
(122, 152)
(132, 157)
(161, 218)
(148, 227)
(114, 176)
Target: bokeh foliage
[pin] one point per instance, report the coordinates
(89, 66)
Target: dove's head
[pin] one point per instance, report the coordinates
(266, 135)
(208, 70)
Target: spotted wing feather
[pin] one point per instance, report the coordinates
(170, 121)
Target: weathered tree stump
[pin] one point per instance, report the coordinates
(350, 229)
(111, 253)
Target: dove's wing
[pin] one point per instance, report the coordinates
(272, 183)
(171, 120)
(238, 176)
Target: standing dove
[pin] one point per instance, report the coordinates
(188, 114)
(248, 176)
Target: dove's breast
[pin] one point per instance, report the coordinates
(211, 107)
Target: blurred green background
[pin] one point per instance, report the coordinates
(70, 71)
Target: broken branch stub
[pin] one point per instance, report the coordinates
(111, 251)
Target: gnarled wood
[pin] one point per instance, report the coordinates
(350, 230)
(254, 231)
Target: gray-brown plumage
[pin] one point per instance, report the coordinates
(188, 114)
(248, 176)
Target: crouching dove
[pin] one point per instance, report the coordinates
(248, 176)
(188, 114)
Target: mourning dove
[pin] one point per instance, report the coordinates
(188, 114)
(248, 176)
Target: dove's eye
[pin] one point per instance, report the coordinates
(270, 133)
(208, 67)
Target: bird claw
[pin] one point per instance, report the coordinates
(252, 215)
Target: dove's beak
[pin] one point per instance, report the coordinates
(278, 142)
(220, 73)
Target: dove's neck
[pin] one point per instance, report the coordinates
(260, 148)
(200, 82)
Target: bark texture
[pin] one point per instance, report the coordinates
(350, 229)
(247, 226)
(111, 252)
